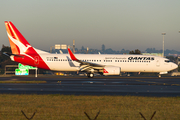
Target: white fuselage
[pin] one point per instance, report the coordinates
(127, 63)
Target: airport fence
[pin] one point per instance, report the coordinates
(86, 114)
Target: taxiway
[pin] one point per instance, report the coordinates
(136, 86)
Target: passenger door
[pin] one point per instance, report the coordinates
(157, 63)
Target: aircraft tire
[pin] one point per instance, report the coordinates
(90, 75)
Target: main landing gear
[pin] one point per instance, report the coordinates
(90, 75)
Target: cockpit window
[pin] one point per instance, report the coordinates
(167, 61)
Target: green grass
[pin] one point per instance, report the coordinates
(70, 107)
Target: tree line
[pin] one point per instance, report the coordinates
(5, 60)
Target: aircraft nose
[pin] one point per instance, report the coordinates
(174, 66)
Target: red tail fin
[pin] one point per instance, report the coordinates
(21, 47)
(18, 43)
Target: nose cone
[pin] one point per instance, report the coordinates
(174, 66)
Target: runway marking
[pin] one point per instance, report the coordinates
(145, 81)
(155, 83)
(175, 84)
(24, 82)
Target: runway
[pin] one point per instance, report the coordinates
(132, 86)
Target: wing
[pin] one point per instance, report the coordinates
(85, 66)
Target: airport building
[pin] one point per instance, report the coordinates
(153, 54)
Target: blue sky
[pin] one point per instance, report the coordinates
(128, 24)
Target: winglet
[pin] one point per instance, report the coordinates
(72, 55)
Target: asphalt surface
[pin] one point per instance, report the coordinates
(132, 86)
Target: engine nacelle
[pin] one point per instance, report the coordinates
(111, 70)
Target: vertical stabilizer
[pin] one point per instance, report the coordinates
(22, 51)
(18, 43)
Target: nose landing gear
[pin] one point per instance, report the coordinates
(90, 75)
(159, 75)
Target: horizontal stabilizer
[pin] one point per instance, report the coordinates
(10, 54)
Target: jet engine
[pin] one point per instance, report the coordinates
(111, 70)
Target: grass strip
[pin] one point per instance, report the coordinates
(70, 107)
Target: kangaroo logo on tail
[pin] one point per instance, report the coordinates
(22, 51)
(21, 46)
(16, 40)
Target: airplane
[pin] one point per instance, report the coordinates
(104, 64)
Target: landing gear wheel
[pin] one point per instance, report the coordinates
(159, 76)
(90, 75)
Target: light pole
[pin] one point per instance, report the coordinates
(178, 62)
(51, 49)
(163, 44)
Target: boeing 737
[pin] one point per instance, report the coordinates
(105, 64)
